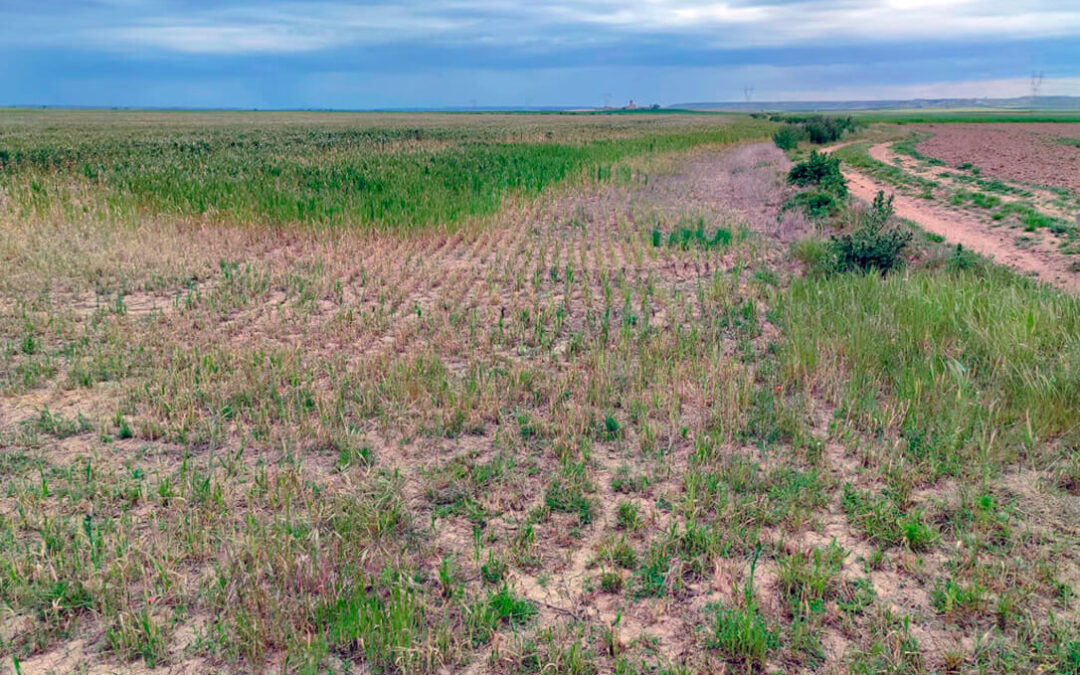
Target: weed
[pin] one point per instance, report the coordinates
(741, 634)
(611, 582)
(628, 516)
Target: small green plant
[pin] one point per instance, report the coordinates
(873, 245)
(628, 516)
(742, 634)
(809, 579)
(123, 429)
(686, 238)
(568, 495)
(611, 582)
(651, 578)
(494, 570)
(788, 136)
(821, 171)
(612, 429)
(508, 608)
(953, 599)
(918, 535)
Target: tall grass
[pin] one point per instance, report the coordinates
(966, 367)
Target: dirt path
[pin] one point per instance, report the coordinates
(998, 244)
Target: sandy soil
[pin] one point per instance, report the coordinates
(1024, 152)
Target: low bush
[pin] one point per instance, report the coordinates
(819, 170)
(827, 129)
(817, 205)
(873, 245)
(788, 137)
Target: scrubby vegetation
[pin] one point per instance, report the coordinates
(788, 136)
(826, 190)
(820, 171)
(818, 129)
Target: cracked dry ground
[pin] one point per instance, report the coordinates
(551, 443)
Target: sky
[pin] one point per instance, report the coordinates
(488, 53)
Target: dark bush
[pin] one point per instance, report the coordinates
(819, 129)
(827, 129)
(873, 245)
(822, 171)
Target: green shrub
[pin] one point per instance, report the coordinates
(819, 170)
(818, 128)
(788, 137)
(823, 129)
(873, 245)
(817, 205)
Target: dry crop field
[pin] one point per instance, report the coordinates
(328, 393)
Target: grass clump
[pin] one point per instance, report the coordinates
(741, 634)
(686, 238)
(569, 493)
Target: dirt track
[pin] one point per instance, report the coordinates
(995, 243)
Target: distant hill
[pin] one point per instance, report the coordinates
(1019, 103)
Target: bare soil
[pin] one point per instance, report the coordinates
(1024, 152)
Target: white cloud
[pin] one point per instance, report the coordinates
(289, 26)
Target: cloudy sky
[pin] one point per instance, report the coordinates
(445, 53)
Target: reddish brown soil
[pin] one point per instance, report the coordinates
(1024, 152)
